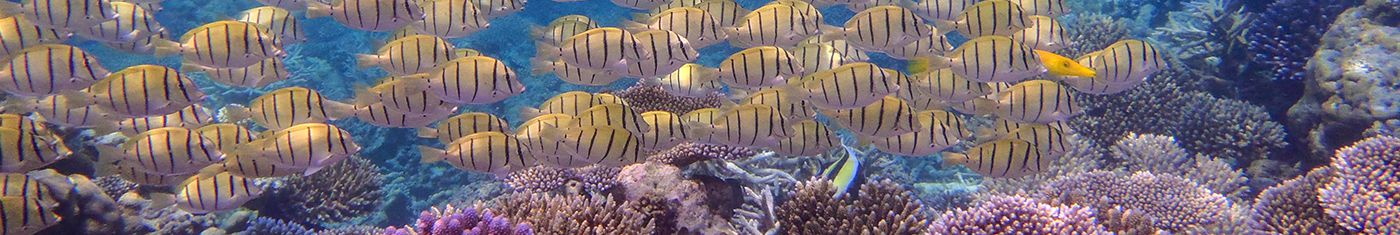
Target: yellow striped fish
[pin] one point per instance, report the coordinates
(467, 52)
(139, 176)
(748, 125)
(570, 103)
(21, 185)
(277, 21)
(907, 90)
(605, 98)
(165, 151)
(1044, 33)
(68, 15)
(942, 10)
(23, 215)
(888, 117)
(17, 32)
(224, 44)
(391, 94)
(667, 130)
(368, 15)
(1002, 127)
(859, 5)
(705, 116)
(531, 132)
(226, 135)
(851, 52)
(699, 28)
(562, 28)
(1050, 8)
(252, 167)
(792, 108)
(1118, 67)
(605, 145)
(205, 193)
(1037, 101)
(450, 19)
(409, 55)
(759, 67)
(26, 150)
(674, 4)
(57, 110)
(935, 44)
(844, 174)
(498, 8)
(1050, 141)
(614, 115)
(189, 117)
(639, 4)
(944, 85)
(474, 80)
(293, 5)
(992, 17)
(141, 91)
(379, 115)
(283, 108)
(606, 50)
(726, 12)
(818, 57)
(1007, 158)
(132, 23)
(47, 69)
(992, 59)
(150, 5)
(23, 123)
(809, 138)
(885, 28)
(669, 51)
(310, 146)
(487, 152)
(573, 74)
(976, 106)
(925, 104)
(690, 80)
(140, 46)
(851, 85)
(463, 125)
(264, 72)
(773, 25)
(940, 131)
(804, 7)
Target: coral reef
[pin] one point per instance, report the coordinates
(1172, 203)
(1000, 214)
(114, 186)
(264, 225)
(85, 208)
(1287, 32)
(1161, 155)
(341, 191)
(646, 97)
(574, 214)
(578, 181)
(878, 207)
(1083, 156)
(687, 153)
(1292, 207)
(1208, 37)
(1353, 79)
(689, 198)
(454, 221)
(1092, 32)
(1363, 196)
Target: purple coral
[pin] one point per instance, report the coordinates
(1292, 207)
(453, 221)
(1001, 214)
(645, 97)
(1172, 203)
(687, 153)
(1363, 195)
(1288, 32)
(577, 181)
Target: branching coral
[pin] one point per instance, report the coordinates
(341, 191)
(1288, 32)
(1208, 36)
(687, 153)
(1092, 32)
(537, 179)
(1292, 207)
(645, 97)
(1083, 156)
(1172, 203)
(882, 207)
(574, 214)
(1002, 214)
(1363, 195)
(264, 225)
(756, 215)
(1161, 155)
(455, 221)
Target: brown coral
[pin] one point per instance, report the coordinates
(1173, 203)
(687, 153)
(879, 207)
(575, 214)
(347, 189)
(645, 97)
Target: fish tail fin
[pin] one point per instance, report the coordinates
(546, 51)
(235, 113)
(161, 200)
(316, 9)
(976, 106)
(699, 132)
(943, 27)
(363, 96)
(539, 67)
(337, 110)
(17, 106)
(431, 155)
(427, 132)
(192, 67)
(530, 112)
(165, 47)
(367, 60)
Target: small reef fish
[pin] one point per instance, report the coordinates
(1049, 8)
(941, 10)
(747, 125)
(570, 103)
(792, 108)
(265, 72)
(698, 27)
(759, 67)
(989, 59)
(164, 151)
(816, 57)
(368, 15)
(947, 86)
(1037, 101)
(224, 44)
(934, 44)
(851, 52)
(57, 110)
(773, 25)
(606, 50)
(226, 135)
(487, 152)
(845, 173)
(573, 74)
(21, 185)
(253, 167)
(379, 114)
(409, 55)
(991, 17)
(391, 94)
(562, 28)
(139, 176)
(27, 215)
(614, 115)
(690, 80)
(450, 19)
(940, 131)
(1044, 33)
(726, 12)
(191, 117)
(277, 21)
(48, 69)
(667, 130)
(1050, 141)
(472, 80)
(809, 138)
(1118, 67)
(463, 125)
(26, 150)
(531, 132)
(17, 32)
(66, 15)
(1007, 158)
(639, 4)
(851, 85)
(291, 5)
(885, 28)
(310, 146)
(141, 91)
(606, 145)
(890, 116)
(213, 192)
(491, 9)
(286, 107)
(669, 51)
(132, 23)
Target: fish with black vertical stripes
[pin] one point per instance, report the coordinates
(851, 85)
(1037, 101)
(606, 50)
(759, 67)
(1117, 68)
(49, 69)
(310, 146)
(283, 108)
(890, 116)
(67, 15)
(774, 25)
(487, 152)
(164, 151)
(277, 21)
(605, 145)
(409, 55)
(369, 15)
(1007, 158)
(224, 44)
(745, 125)
(140, 91)
(472, 80)
(261, 74)
(213, 192)
(667, 130)
(809, 138)
(669, 51)
(698, 27)
(940, 131)
(132, 23)
(450, 19)
(463, 125)
(885, 28)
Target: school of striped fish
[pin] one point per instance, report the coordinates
(792, 69)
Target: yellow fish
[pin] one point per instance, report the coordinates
(890, 116)
(726, 12)
(690, 80)
(698, 27)
(563, 28)
(27, 215)
(165, 151)
(369, 15)
(311, 146)
(487, 152)
(606, 145)
(531, 132)
(759, 67)
(669, 51)
(283, 108)
(809, 138)
(1048, 8)
(1037, 101)
(224, 44)
(614, 115)
(748, 125)
(190, 117)
(991, 59)
(253, 167)
(934, 44)
(49, 69)
(141, 91)
(944, 85)
(390, 93)
(21, 185)
(213, 192)
(450, 19)
(885, 28)
(1002, 127)
(851, 52)
(1044, 33)
(1007, 158)
(992, 17)
(605, 98)
(667, 130)
(410, 55)
(851, 85)
(264, 72)
(26, 150)
(497, 8)
(473, 80)
(463, 125)
(140, 176)
(1118, 67)
(606, 50)
(226, 135)
(1050, 141)
(942, 10)
(379, 114)
(816, 57)
(639, 4)
(940, 131)
(569, 103)
(573, 74)
(132, 23)
(277, 21)
(57, 110)
(63, 14)
(792, 108)
(1059, 65)
(17, 32)
(773, 25)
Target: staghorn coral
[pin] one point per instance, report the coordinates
(1001, 214)
(1292, 207)
(687, 153)
(454, 221)
(537, 179)
(574, 214)
(341, 191)
(646, 97)
(1173, 203)
(756, 215)
(264, 225)
(1363, 196)
(881, 207)
(1161, 155)
(1288, 32)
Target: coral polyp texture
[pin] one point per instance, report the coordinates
(687, 153)
(1363, 196)
(1172, 203)
(882, 207)
(646, 97)
(1287, 32)
(455, 221)
(574, 214)
(342, 191)
(1001, 214)
(1292, 207)
(1352, 79)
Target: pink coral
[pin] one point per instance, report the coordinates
(1363, 195)
(1173, 203)
(1001, 214)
